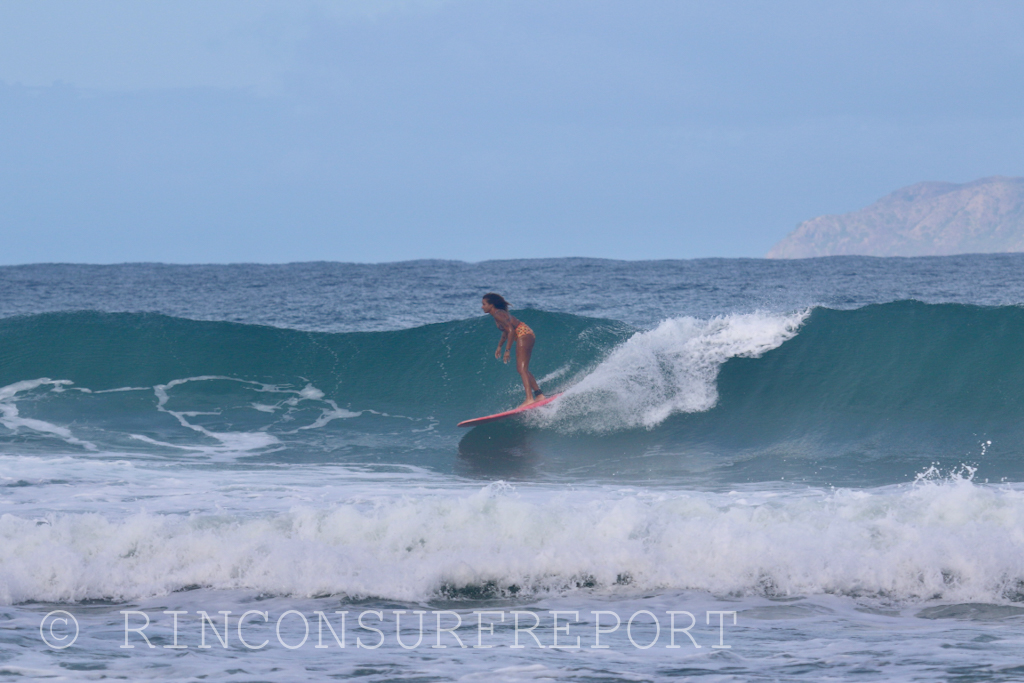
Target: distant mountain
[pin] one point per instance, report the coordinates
(926, 219)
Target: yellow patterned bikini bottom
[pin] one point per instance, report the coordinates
(523, 329)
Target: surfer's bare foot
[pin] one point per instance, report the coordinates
(527, 402)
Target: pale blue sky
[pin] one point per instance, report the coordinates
(227, 131)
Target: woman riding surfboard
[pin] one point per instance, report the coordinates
(513, 330)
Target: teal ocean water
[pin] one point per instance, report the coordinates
(826, 451)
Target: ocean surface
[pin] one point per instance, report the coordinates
(759, 470)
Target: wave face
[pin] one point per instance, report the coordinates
(133, 381)
(877, 392)
(436, 367)
(946, 379)
(874, 395)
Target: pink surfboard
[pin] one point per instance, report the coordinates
(508, 413)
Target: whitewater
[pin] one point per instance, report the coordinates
(789, 470)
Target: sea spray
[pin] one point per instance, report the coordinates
(670, 369)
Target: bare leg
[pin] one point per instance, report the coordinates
(524, 348)
(537, 393)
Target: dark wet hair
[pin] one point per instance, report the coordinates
(496, 300)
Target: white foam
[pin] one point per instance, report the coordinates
(11, 418)
(335, 413)
(284, 401)
(243, 441)
(558, 373)
(311, 392)
(953, 540)
(670, 369)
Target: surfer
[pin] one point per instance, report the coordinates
(518, 332)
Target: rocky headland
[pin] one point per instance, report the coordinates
(926, 219)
